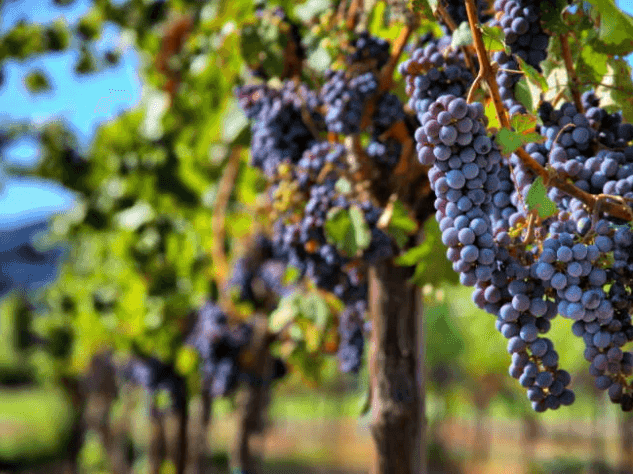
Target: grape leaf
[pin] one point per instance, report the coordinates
(533, 75)
(537, 199)
(426, 256)
(523, 123)
(286, 311)
(343, 186)
(616, 27)
(315, 308)
(401, 225)
(591, 65)
(347, 230)
(462, 36)
(494, 39)
(523, 94)
(425, 8)
(508, 140)
(36, 82)
(493, 120)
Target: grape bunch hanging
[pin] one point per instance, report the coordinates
(527, 270)
(313, 177)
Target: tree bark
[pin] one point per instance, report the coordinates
(253, 398)
(157, 443)
(199, 432)
(175, 425)
(626, 444)
(397, 371)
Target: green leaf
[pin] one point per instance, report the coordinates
(523, 123)
(591, 63)
(135, 216)
(315, 308)
(494, 39)
(291, 275)
(308, 10)
(533, 75)
(508, 140)
(362, 235)
(364, 402)
(319, 59)
(347, 230)
(432, 265)
(401, 226)
(523, 94)
(537, 199)
(37, 82)
(286, 311)
(425, 8)
(413, 255)
(462, 36)
(616, 27)
(493, 120)
(343, 186)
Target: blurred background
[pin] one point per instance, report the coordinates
(116, 121)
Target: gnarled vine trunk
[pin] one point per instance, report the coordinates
(253, 398)
(397, 371)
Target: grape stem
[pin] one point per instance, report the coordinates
(571, 72)
(352, 14)
(446, 17)
(485, 69)
(620, 211)
(386, 76)
(452, 26)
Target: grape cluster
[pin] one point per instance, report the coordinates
(432, 71)
(306, 175)
(219, 346)
(581, 270)
(506, 79)
(521, 24)
(352, 342)
(303, 242)
(155, 376)
(366, 47)
(258, 276)
(299, 235)
(457, 11)
(389, 110)
(345, 100)
(475, 209)
(278, 130)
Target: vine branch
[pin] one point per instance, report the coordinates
(386, 76)
(218, 222)
(485, 69)
(571, 72)
(446, 17)
(609, 205)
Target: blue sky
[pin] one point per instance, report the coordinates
(84, 101)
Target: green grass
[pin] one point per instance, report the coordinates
(34, 424)
(304, 406)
